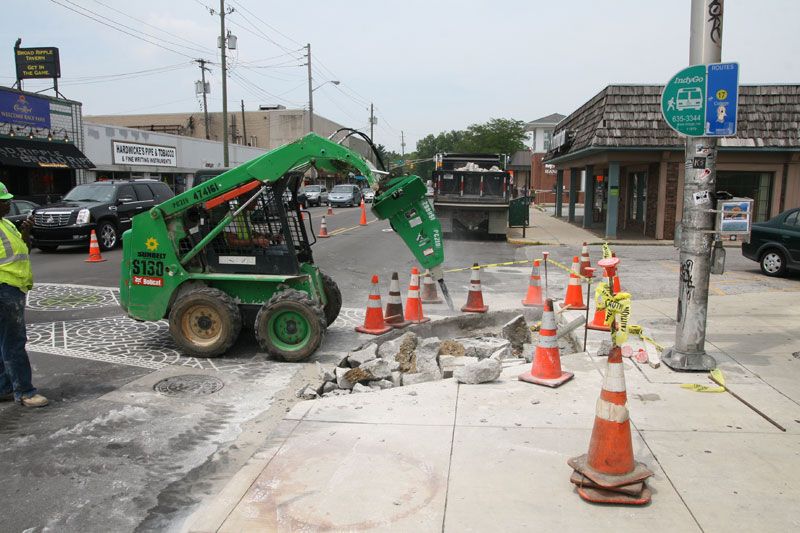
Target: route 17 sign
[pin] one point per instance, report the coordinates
(701, 101)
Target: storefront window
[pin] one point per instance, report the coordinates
(755, 185)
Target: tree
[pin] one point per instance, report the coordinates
(499, 135)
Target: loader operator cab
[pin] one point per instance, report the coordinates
(264, 235)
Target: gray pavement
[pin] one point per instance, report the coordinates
(441, 456)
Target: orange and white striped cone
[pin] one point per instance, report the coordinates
(599, 321)
(363, 214)
(546, 367)
(394, 305)
(330, 210)
(429, 293)
(534, 296)
(94, 250)
(617, 286)
(323, 229)
(475, 296)
(610, 464)
(574, 297)
(373, 322)
(413, 302)
(585, 262)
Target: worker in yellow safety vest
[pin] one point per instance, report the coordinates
(16, 279)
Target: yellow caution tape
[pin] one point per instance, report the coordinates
(636, 330)
(559, 265)
(717, 373)
(606, 251)
(614, 304)
(702, 388)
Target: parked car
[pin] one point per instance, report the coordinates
(775, 244)
(20, 210)
(316, 194)
(345, 194)
(302, 199)
(367, 194)
(104, 206)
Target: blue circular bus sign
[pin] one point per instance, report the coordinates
(683, 102)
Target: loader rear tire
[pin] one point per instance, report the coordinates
(334, 297)
(290, 326)
(205, 322)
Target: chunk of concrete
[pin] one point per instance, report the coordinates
(307, 392)
(324, 373)
(328, 387)
(516, 331)
(502, 353)
(354, 375)
(604, 349)
(341, 380)
(450, 347)
(426, 356)
(407, 354)
(448, 363)
(482, 347)
(481, 372)
(381, 384)
(419, 377)
(378, 368)
(397, 378)
(360, 357)
(389, 349)
(358, 387)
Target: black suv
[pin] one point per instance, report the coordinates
(104, 206)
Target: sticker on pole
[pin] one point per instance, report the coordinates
(701, 101)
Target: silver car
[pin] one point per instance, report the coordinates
(345, 195)
(368, 195)
(316, 194)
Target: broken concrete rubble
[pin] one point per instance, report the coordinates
(377, 368)
(517, 332)
(481, 372)
(360, 357)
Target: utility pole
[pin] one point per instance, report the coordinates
(371, 122)
(222, 43)
(697, 222)
(244, 127)
(402, 143)
(203, 70)
(310, 91)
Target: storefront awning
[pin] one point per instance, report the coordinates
(52, 154)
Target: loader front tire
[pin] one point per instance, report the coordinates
(290, 326)
(205, 322)
(334, 297)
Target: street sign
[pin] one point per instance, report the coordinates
(701, 101)
(722, 92)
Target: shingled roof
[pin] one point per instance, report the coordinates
(629, 116)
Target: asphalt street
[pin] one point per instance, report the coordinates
(112, 453)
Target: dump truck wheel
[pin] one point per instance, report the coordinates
(290, 325)
(205, 322)
(334, 297)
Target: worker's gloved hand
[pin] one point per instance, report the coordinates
(261, 242)
(276, 238)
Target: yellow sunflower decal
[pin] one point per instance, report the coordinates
(151, 244)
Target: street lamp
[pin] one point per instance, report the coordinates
(311, 101)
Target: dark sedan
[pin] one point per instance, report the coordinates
(775, 244)
(20, 210)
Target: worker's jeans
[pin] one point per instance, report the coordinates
(15, 368)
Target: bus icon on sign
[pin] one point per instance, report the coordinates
(689, 98)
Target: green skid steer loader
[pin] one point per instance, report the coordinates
(236, 246)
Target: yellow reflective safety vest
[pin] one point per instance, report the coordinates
(15, 265)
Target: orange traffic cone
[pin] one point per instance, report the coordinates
(585, 262)
(574, 297)
(94, 250)
(615, 476)
(534, 296)
(363, 214)
(617, 288)
(429, 294)
(599, 321)
(413, 303)
(546, 368)
(323, 229)
(394, 305)
(373, 322)
(475, 296)
(330, 210)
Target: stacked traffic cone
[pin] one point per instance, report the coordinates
(429, 293)
(475, 296)
(574, 297)
(394, 305)
(413, 302)
(373, 322)
(546, 368)
(323, 229)
(534, 296)
(585, 262)
(599, 321)
(608, 473)
(94, 250)
(363, 214)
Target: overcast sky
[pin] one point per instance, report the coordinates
(427, 66)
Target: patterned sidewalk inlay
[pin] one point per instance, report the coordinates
(55, 297)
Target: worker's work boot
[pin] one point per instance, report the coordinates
(37, 400)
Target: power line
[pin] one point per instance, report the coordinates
(118, 29)
(267, 24)
(91, 80)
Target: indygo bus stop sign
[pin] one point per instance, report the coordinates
(701, 101)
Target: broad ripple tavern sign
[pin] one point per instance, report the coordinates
(137, 154)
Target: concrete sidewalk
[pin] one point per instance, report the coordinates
(441, 456)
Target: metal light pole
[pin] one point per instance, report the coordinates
(697, 223)
(311, 96)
